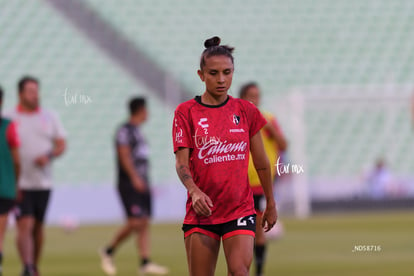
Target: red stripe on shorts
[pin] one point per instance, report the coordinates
(239, 232)
(202, 231)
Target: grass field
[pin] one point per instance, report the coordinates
(321, 245)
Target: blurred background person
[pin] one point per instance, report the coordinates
(42, 138)
(9, 172)
(381, 183)
(134, 190)
(274, 143)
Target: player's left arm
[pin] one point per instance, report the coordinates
(59, 139)
(276, 134)
(59, 147)
(262, 165)
(59, 143)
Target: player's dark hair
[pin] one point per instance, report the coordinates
(213, 48)
(245, 88)
(136, 105)
(22, 82)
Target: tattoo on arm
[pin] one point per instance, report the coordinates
(184, 173)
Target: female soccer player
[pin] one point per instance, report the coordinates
(212, 136)
(274, 142)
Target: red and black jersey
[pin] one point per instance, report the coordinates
(219, 141)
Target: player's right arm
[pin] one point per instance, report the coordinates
(202, 204)
(14, 142)
(124, 155)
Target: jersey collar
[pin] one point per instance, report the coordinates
(198, 100)
(20, 109)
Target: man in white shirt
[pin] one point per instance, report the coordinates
(42, 139)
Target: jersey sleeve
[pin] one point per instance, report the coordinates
(181, 132)
(122, 137)
(12, 136)
(256, 120)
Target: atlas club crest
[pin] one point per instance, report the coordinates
(236, 119)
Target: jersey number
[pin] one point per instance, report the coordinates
(241, 222)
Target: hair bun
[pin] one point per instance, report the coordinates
(211, 42)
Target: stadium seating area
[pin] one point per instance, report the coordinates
(37, 40)
(281, 44)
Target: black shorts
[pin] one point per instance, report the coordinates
(136, 204)
(6, 205)
(258, 203)
(33, 204)
(241, 226)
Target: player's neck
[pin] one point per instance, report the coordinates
(27, 109)
(136, 121)
(209, 99)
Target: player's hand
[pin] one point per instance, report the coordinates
(41, 161)
(139, 184)
(269, 217)
(202, 204)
